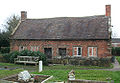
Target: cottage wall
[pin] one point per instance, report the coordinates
(102, 46)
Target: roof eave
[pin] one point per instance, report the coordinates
(16, 27)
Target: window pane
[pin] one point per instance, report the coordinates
(90, 51)
(79, 51)
(94, 51)
(75, 50)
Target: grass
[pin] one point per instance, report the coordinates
(6, 73)
(19, 66)
(100, 75)
(118, 58)
(75, 67)
(7, 64)
(60, 72)
(29, 67)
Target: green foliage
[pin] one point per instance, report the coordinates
(116, 51)
(4, 40)
(118, 58)
(6, 57)
(91, 61)
(34, 53)
(10, 57)
(10, 24)
(5, 50)
(13, 55)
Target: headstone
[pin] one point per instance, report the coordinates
(25, 76)
(40, 66)
(71, 75)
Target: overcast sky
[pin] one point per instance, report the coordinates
(60, 8)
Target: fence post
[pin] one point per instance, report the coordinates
(40, 66)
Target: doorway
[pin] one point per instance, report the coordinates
(48, 52)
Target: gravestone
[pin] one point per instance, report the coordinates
(71, 75)
(25, 76)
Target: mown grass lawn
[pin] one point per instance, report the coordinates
(6, 73)
(60, 73)
(100, 75)
(75, 67)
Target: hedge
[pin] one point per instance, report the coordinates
(83, 61)
(116, 51)
(5, 50)
(9, 57)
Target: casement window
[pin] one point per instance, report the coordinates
(92, 51)
(34, 48)
(77, 51)
(62, 51)
(21, 48)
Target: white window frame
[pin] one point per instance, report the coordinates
(36, 48)
(92, 52)
(24, 48)
(77, 51)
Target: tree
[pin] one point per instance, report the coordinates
(10, 24)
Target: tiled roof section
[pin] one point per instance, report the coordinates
(115, 40)
(92, 27)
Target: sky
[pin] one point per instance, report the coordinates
(60, 8)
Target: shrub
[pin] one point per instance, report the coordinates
(85, 61)
(34, 53)
(13, 55)
(9, 57)
(6, 57)
(5, 50)
(116, 51)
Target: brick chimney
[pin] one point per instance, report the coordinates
(108, 10)
(23, 15)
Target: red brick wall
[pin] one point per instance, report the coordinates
(102, 46)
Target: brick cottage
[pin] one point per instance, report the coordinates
(115, 42)
(64, 36)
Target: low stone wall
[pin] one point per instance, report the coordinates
(86, 81)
